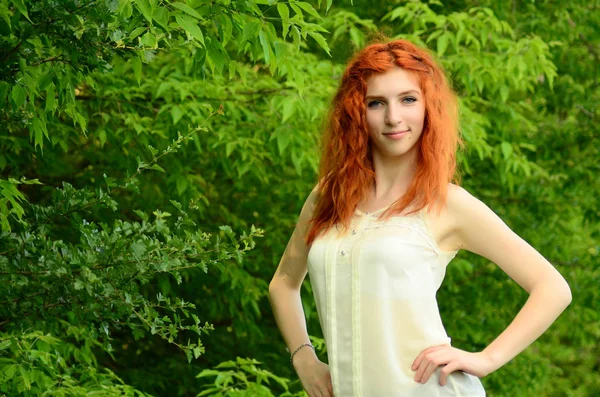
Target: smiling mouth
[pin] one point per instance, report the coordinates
(395, 132)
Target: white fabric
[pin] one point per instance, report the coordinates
(375, 291)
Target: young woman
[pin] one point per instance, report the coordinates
(376, 234)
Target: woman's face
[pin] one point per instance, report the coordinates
(395, 112)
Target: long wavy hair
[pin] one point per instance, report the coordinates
(346, 169)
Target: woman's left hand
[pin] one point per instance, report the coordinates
(450, 359)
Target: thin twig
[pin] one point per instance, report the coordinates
(54, 58)
(584, 110)
(16, 48)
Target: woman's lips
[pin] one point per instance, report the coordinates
(395, 134)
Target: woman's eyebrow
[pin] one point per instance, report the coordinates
(400, 94)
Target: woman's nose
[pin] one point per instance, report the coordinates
(393, 114)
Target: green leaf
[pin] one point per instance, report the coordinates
(9, 371)
(21, 7)
(321, 41)
(43, 81)
(39, 133)
(18, 95)
(298, 79)
(82, 121)
(250, 30)
(102, 137)
(6, 15)
(288, 108)
(265, 46)
(242, 169)
(232, 67)
(24, 181)
(50, 99)
(149, 40)
(309, 8)
(295, 36)
(297, 158)
(141, 214)
(40, 122)
(156, 167)
(161, 16)
(4, 212)
(182, 184)
(216, 56)
(42, 380)
(187, 9)
(356, 36)
(164, 86)
(442, 44)
(298, 10)
(10, 191)
(5, 344)
(484, 36)
(137, 31)
(176, 113)
(190, 25)
(138, 248)
(229, 146)
(283, 140)
(26, 377)
(153, 150)
(284, 13)
(136, 64)
(504, 91)
(226, 29)
(145, 8)
(507, 150)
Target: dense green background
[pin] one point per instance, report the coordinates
(133, 131)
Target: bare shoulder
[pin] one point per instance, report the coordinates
(308, 210)
(467, 215)
(306, 214)
(292, 267)
(447, 224)
(459, 202)
(476, 228)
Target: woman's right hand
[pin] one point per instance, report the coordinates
(313, 373)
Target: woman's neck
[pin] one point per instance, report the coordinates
(393, 176)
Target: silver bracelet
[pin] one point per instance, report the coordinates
(296, 351)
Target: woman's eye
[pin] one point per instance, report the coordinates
(409, 99)
(374, 104)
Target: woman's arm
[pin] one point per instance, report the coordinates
(478, 229)
(284, 295)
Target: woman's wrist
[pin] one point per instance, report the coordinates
(304, 356)
(304, 346)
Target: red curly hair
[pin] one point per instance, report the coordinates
(346, 169)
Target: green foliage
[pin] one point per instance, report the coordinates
(118, 280)
(40, 364)
(346, 23)
(243, 377)
(64, 268)
(12, 196)
(54, 47)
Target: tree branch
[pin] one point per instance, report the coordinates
(8, 54)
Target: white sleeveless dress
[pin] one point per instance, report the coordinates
(375, 291)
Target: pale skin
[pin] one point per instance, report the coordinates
(284, 294)
(395, 104)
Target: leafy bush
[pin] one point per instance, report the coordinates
(115, 274)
